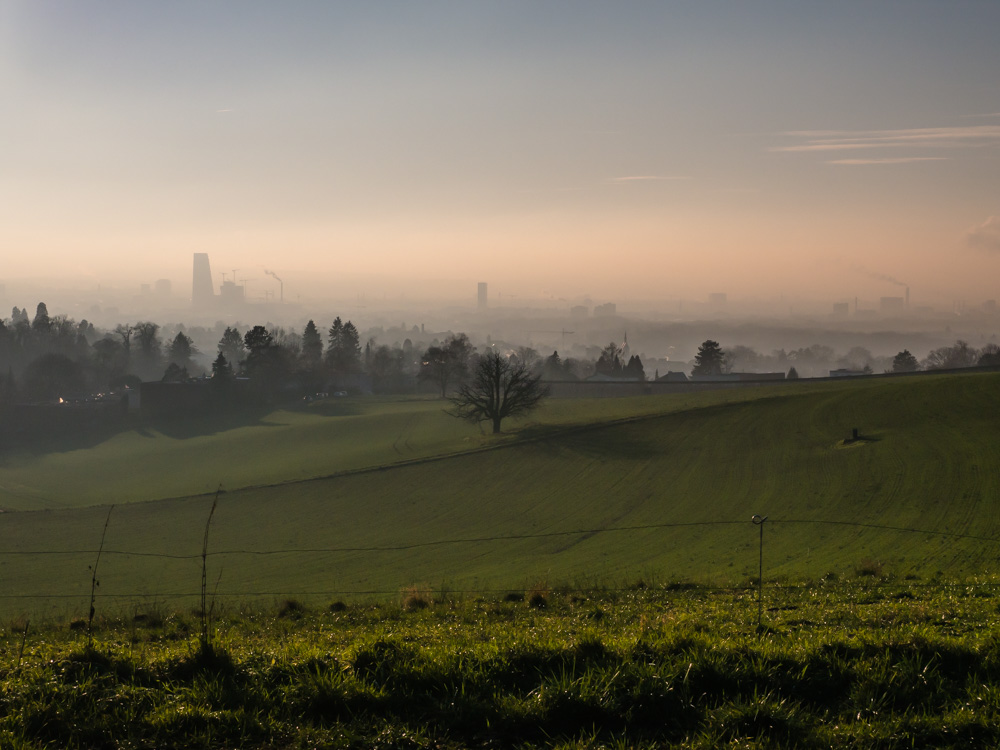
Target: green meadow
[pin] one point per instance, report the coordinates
(359, 499)
(847, 665)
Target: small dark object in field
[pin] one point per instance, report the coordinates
(680, 586)
(414, 599)
(870, 568)
(291, 608)
(338, 606)
(514, 596)
(78, 623)
(538, 600)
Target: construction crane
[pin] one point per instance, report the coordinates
(281, 284)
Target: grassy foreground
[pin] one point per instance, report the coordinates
(836, 665)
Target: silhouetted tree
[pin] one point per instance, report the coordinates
(53, 376)
(109, 359)
(634, 368)
(386, 369)
(609, 363)
(989, 356)
(124, 331)
(148, 357)
(709, 360)
(960, 354)
(232, 347)
(905, 362)
(40, 324)
(222, 370)
(268, 365)
(181, 351)
(343, 351)
(499, 389)
(793, 374)
(175, 374)
(552, 367)
(312, 347)
(223, 382)
(447, 364)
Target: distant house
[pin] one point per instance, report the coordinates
(672, 377)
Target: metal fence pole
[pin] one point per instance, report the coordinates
(759, 522)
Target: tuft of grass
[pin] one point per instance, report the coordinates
(869, 568)
(538, 596)
(291, 608)
(415, 598)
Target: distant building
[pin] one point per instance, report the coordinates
(718, 299)
(891, 305)
(202, 293)
(846, 373)
(607, 310)
(162, 287)
(231, 293)
(482, 299)
(579, 311)
(841, 309)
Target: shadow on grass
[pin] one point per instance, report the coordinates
(183, 427)
(39, 440)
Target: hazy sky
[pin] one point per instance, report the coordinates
(614, 148)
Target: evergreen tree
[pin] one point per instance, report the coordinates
(709, 360)
(41, 323)
(312, 347)
(905, 362)
(232, 347)
(343, 353)
(181, 351)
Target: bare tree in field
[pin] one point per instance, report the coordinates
(499, 388)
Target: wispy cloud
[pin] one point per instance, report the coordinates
(900, 160)
(648, 178)
(972, 136)
(985, 236)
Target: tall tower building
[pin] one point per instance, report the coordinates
(482, 295)
(202, 294)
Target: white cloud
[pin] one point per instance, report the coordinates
(900, 160)
(986, 236)
(845, 140)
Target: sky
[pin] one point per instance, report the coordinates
(621, 150)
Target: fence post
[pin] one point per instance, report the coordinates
(759, 522)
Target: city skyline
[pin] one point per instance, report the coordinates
(648, 150)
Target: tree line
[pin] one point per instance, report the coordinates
(47, 356)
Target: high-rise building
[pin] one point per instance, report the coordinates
(202, 294)
(482, 295)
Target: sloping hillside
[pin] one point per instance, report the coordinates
(668, 496)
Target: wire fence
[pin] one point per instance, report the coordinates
(760, 581)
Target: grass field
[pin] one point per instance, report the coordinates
(834, 666)
(374, 496)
